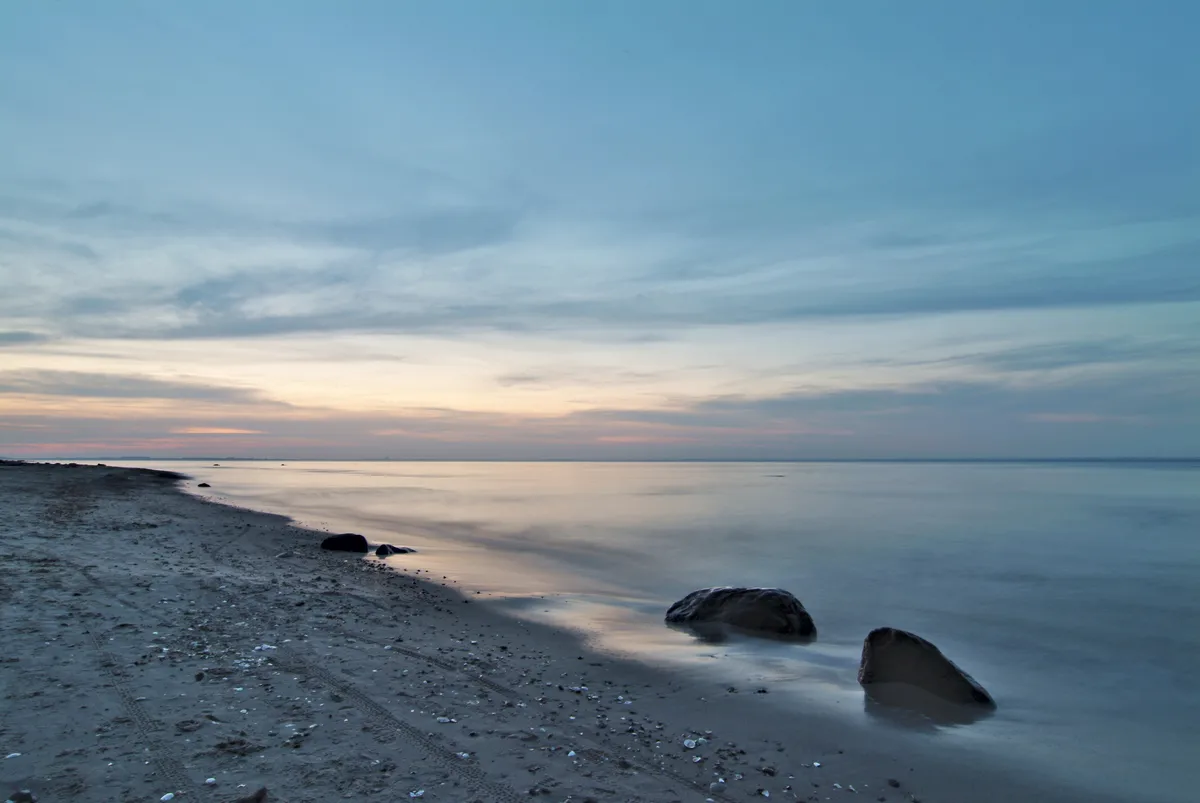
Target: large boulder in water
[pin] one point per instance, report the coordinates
(769, 612)
(892, 656)
(346, 542)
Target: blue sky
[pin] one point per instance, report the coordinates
(567, 229)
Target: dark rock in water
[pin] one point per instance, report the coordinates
(769, 612)
(387, 549)
(23, 796)
(346, 542)
(258, 797)
(892, 656)
(204, 485)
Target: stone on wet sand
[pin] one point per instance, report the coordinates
(346, 542)
(387, 549)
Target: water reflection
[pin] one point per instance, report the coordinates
(722, 633)
(911, 707)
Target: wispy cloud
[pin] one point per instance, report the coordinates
(214, 431)
(19, 338)
(117, 386)
(1083, 418)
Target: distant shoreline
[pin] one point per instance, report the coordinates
(780, 461)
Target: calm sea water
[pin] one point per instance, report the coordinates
(1070, 590)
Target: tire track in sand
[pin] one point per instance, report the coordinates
(290, 661)
(168, 767)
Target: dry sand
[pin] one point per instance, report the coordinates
(152, 641)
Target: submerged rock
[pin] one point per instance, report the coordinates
(346, 542)
(387, 549)
(204, 485)
(762, 611)
(892, 656)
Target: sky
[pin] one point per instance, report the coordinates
(663, 229)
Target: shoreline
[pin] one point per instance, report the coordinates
(288, 635)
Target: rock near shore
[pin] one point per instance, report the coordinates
(387, 549)
(769, 612)
(892, 656)
(346, 542)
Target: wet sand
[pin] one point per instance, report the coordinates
(153, 641)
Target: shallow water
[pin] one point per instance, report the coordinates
(1071, 591)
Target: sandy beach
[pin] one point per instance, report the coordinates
(159, 644)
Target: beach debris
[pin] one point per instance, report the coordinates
(264, 647)
(167, 796)
(817, 764)
(465, 756)
(717, 786)
(13, 755)
(417, 793)
(690, 744)
(210, 781)
(446, 720)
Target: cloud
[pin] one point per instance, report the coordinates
(1083, 418)
(482, 267)
(214, 431)
(80, 384)
(1048, 357)
(924, 419)
(429, 232)
(21, 338)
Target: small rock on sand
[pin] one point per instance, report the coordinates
(346, 542)
(387, 549)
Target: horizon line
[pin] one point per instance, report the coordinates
(1139, 459)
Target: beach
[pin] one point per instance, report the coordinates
(157, 644)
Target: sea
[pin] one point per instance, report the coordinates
(1070, 590)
